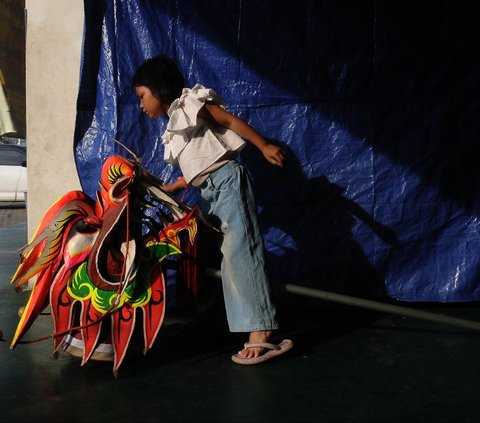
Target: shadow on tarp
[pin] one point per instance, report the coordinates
(317, 221)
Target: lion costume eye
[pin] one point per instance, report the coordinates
(115, 172)
(115, 168)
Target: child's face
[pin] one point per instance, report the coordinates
(151, 105)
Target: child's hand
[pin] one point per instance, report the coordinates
(273, 154)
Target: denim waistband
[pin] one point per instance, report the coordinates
(220, 173)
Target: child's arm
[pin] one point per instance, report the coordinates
(176, 186)
(216, 114)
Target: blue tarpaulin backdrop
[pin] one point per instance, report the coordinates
(376, 103)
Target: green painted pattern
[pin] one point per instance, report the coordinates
(136, 294)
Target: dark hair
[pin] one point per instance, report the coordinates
(161, 75)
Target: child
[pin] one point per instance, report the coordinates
(203, 139)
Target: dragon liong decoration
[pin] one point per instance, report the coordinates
(93, 264)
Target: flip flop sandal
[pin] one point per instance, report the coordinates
(270, 351)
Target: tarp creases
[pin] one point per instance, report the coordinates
(376, 104)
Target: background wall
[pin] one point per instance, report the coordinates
(377, 103)
(53, 51)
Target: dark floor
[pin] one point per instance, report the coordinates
(348, 365)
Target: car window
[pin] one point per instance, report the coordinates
(11, 156)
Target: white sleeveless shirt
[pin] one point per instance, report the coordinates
(194, 144)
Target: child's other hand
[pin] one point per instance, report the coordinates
(273, 154)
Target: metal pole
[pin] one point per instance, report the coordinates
(378, 306)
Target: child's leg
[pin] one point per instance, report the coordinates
(248, 299)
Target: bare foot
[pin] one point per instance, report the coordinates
(255, 337)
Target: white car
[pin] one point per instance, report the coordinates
(13, 173)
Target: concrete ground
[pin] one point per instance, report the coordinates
(348, 365)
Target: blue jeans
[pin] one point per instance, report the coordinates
(227, 198)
